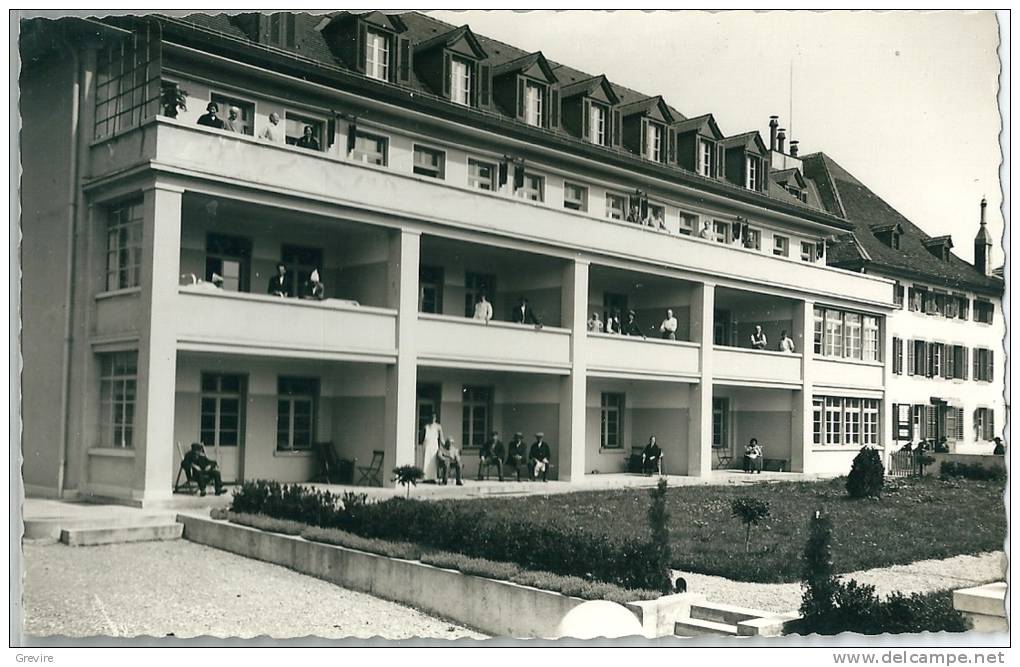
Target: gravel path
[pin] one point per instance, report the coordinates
(158, 588)
(920, 577)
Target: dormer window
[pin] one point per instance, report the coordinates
(377, 55)
(939, 246)
(888, 234)
(460, 81)
(653, 141)
(706, 157)
(281, 29)
(752, 173)
(597, 122)
(534, 104)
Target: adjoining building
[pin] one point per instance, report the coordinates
(414, 166)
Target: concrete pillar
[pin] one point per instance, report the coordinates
(802, 412)
(699, 439)
(157, 347)
(574, 387)
(399, 429)
(885, 424)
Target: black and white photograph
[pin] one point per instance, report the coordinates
(511, 328)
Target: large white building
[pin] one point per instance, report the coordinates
(439, 166)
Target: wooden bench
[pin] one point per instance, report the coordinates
(776, 465)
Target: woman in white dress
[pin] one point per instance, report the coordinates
(433, 436)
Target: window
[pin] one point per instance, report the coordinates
(819, 329)
(460, 81)
(230, 258)
(833, 421)
(475, 285)
(222, 402)
(984, 311)
(871, 339)
(984, 424)
(870, 414)
(295, 412)
(952, 308)
(688, 223)
(752, 238)
(124, 246)
(898, 294)
(918, 422)
(377, 55)
(245, 109)
(117, 387)
(653, 142)
(706, 161)
(533, 188)
(656, 213)
(430, 290)
(281, 29)
(575, 197)
(916, 298)
(934, 360)
(477, 414)
(300, 262)
(481, 175)
(817, 410)
(597, 115)
(370, 149)
(807, 251)
(128, 86)
(616, 206)
(833, 333)
(852, 421)
(983, 365)
(534, 104)
(429, 162)
(305, 132)
(964, 307)
(722, 231)
(960, 361)
(612, 421)
(780, 246)
(897, 346)
(752, 173)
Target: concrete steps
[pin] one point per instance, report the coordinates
(726, 620)
(96, 535)
(43, 528)
(724, 613)
(697, 627)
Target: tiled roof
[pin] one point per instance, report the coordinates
(845, 195)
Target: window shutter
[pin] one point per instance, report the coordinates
(895, 421)
(977, 366)
(518, 174)
(586, 131)
(989, 424)
(948, 363)
(763, 177)
(991, 366)
(554, 107)
(644, 138)
(926, 346)
(484, 85)
(897, 346)
(672, 145)
(520, 98)
(965, 370)
(910, 358)
(331, 132)
(617, 122)
(503, 169)
(352, 132)
(362, 45)
(447, 73)
(950, 430)
(404, 51)
(720, 161)
(959, 423)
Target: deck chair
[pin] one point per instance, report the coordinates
(372, 473)
(329, 464)
(189, 485)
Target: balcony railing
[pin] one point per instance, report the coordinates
(466, 343)
(628, 356)
(166, 143)
(215, 320)
(118, 313)
(756, 366)
(847, 373)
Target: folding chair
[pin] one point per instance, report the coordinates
(190, 485)
(372, 473)
(330, 466)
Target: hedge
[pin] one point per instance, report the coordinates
(341, 538)
(975, 471)
(464, 528)
(266, 523)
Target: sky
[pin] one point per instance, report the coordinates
(905, 101)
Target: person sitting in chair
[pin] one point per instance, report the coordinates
(753, 456)
(539, 456)
(200, 469)
(491, 454)
(517, 453)
(449, 457)
(651, 457)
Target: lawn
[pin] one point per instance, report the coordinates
(915, 519)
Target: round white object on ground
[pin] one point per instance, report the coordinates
(599, 618)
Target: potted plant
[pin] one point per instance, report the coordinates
(173, 99)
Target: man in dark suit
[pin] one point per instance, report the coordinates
(202, 469)
(539, 456)
(491, 454)
(631, 327)
(279, 285)
(517, 454)
(523, 314)
(651, 457)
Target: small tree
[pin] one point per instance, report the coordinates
(751, 512)
(408, 476)
(658, 523)
(867, 475)
(819, 582)
(173, 99)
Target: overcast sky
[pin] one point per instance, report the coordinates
(905, 101)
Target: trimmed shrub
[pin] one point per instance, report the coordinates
(218, 513)
(408, 476)
(867, 475)
(288, 501)
(975, 471)
(341, 538)
(922, 612)
(658, 524)
(577, 587)
(266, 523)
(477, 566)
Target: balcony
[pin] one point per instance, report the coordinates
(218, 321)
(846, 373)
(465, 343)
(118, 314)
(753, 367)
(628, 356)
(163, 143)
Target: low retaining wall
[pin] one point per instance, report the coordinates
(984, 606)
(497, 608)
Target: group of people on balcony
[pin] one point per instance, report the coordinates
(653, 220)
(441, 456)
(759, 341)
(612, 325)
(280, 284)
(274, 131)
(522, 313)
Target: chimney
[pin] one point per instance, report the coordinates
(983, 245)
(781, 138)
(773, 127)
(794, 148)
